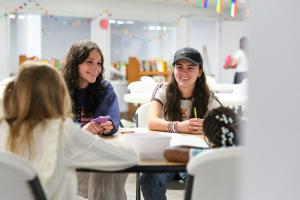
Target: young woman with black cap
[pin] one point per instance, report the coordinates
(178, 106)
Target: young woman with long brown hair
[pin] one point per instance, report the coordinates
(178, 106)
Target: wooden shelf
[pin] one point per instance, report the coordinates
(154, 73)
(134, 71)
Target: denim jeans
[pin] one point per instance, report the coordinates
(153, 185)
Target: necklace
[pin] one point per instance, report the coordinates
(186, 98)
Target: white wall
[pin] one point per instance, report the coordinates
(102, 38)
(141, 42)
(29, 35)
(206, 32)
(185, 16)
(221, 39)
(24, 39)
(272, 161)
(59, 33)
(34, 27)
(4, 47)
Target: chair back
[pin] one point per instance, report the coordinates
(141, 86)
(241, 88)
(213, 175)
(141, 115)
(148, 79)
(18, 179)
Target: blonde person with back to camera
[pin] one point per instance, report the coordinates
(178, 106)
(42, 132)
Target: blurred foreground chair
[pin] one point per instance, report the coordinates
(18, 179)
(213, 175)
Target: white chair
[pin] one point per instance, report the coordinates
(211, 81)
(148, 79)
(18, 179)
(213, 175)
(241, 88)
(141, 115)
(141, 119)
(139, 92)
(141, 86)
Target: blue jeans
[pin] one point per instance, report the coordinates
(154, 185)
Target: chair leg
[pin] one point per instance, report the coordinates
(189, 188)
(138, 189)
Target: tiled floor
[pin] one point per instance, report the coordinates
(130, 190)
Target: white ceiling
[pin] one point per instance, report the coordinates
(162, 10)
(176, 2)
(191, 2)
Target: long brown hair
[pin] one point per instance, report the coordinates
(200, 98)
(39, 93)
(77, 54)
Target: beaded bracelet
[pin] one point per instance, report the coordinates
(170, 124)
(175, 130)
(172, 127)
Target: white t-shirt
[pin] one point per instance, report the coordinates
(159, 95)
(242, 61)
(61, 147)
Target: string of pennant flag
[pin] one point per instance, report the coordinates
(219, 4)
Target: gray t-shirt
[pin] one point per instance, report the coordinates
(159, 95)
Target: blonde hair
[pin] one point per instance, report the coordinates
(39, 93)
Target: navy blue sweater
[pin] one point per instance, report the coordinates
(107, 105)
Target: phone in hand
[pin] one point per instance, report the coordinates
(101, 119)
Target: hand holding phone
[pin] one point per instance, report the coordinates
(101, 119)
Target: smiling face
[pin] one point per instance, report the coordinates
(90, 69)
(186, 74)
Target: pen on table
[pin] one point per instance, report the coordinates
(195, 112)
(125, 132)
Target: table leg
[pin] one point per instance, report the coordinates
(138, 190)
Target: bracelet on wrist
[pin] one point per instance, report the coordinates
(172, 127)
(170, 124)
(175, 127)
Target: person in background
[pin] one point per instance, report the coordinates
(221, 126)
(92, 96)
(178, 106)
(37, 126)
(239, 62)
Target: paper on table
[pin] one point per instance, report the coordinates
(187, 140)
(149, 146)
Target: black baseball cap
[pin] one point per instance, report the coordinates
(189, 54)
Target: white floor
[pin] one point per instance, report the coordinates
(130, 190)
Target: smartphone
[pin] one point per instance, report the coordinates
(101, 119)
